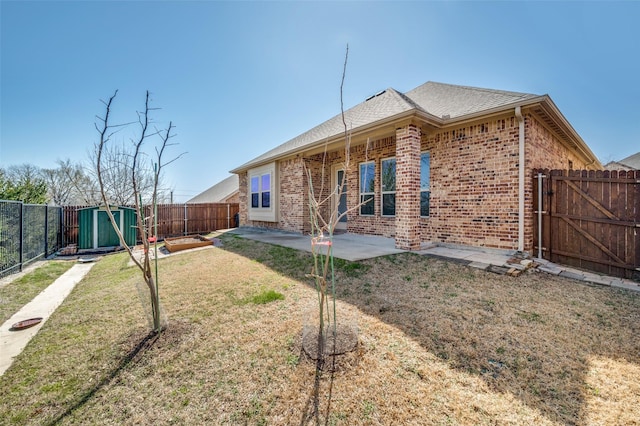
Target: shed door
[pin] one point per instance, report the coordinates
(107, 236)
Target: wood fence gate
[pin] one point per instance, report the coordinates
(590, 219)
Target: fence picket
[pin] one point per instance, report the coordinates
(591, 220)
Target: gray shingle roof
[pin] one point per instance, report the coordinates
(631, 162)
(218, 192)
(436, 99)
(441, 99)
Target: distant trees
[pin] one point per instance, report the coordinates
(73, 184)
(23, 183)
(69, 184)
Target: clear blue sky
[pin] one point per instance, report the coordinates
(239, 78)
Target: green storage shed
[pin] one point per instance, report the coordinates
(95, 229)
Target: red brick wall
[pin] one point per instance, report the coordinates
(474, 185)
(408, 188)
(292, 206)
(319, 169)
(376, 224)
(243, 199)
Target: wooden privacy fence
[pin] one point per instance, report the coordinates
(589, 219)
(173, 219)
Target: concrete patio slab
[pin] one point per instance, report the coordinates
(345, 246)
(355, 247)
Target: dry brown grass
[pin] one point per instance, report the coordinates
(439, 343)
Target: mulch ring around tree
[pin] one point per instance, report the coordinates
(343, 342)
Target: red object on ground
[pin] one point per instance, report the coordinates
(21, 325)
(152, 239)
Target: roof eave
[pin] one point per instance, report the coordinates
(367, 128)
(559, 124)
(567, 132)
(562, 125)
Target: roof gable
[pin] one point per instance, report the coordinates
(218, 192)
(448, 100)
(630, 162)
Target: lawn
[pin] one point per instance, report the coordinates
(439, 343)
(19, 292)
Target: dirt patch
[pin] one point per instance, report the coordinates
(345, 339)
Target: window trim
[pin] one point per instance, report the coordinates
(362, 194)
(260, 213)
(429, 187)
(383, 192)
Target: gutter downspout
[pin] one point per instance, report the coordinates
(520, 178)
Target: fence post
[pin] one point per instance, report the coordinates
(540, 212)
(185, 219)
(46, 231)
(21, 257)
(61, 228)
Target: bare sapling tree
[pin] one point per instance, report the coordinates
(136, 168)
(325, 215)
(116, 175)
(69, 184)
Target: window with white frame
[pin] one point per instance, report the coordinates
(425, 183)
(388, 186)
(262, 189)
(367, 188)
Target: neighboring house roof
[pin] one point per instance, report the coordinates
(218, 192)
(631, 162)
(436, 103)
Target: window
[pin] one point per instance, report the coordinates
(388, 181)
(425, 183)
(255, 192)
(263, 193)
(265, 190)
(367, 188)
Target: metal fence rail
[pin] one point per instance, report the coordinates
(27, 233)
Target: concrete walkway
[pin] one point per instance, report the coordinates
(43, 305)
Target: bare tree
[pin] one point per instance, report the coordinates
(137, 164)
(69, 184)
(116, 162)
(325, 216)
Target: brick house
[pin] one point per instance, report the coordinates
(439, 164)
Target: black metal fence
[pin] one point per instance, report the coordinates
(28, 232)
